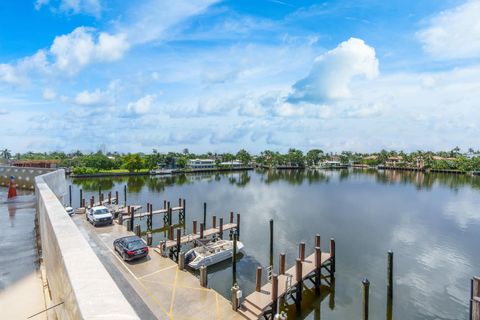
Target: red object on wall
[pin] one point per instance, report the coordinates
(12, 190)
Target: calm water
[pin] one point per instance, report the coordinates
(431, 222)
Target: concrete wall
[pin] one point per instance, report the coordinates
(24, 177)
(75, 275)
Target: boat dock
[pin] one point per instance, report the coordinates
(289, 284)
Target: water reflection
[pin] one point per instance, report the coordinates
(430, 221)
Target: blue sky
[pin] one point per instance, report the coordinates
(213, 75)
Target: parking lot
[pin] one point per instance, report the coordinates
(155, 286)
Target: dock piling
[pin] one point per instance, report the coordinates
(390, 285)
(281, 264)
(235, 298)
(202, 226)
(109, 197)
(301, 251)
(221, 228)
(194, 230)
(258, 279)
(149, 239)
(132, 217)
(271, 242)
(138, 230)
(70, 195)
(181, 260)
(332, 253)
(274, 294)
(125, 195)
(366, 288)
(120, 218)
(116, 198)
(231, 216)
(234, 260)
(238, 226)
(204, 214)
(214, 221)
(170, 233)
(298, 278)
(179, 244)
(317, 240)
(203, 276)
(81, 198)
(318, 269)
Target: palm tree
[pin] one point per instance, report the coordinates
(6, 154)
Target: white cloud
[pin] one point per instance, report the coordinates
(81, 47)
(142, 105)
(9, 74)
(49, 94)
(90, 7)
(150, 20)
(87, 98)
(3, 112)
(454, 33)
(332, 72)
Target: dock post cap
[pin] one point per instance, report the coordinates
(366, 282)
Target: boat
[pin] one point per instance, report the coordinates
(211, 253)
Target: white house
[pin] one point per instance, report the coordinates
(231, 164)
(201, 164)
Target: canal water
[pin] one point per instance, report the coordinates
(430, 221)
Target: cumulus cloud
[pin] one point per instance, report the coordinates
(332, 73)
(454, 33)
(81, 47)
(142, 105)
(68, 54)
(90, 7)
(87, 98)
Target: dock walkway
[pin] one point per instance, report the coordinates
(190, 238)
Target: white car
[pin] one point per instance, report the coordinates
(99, 215)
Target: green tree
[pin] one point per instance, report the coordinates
(244, 156)
(133, 162)
(313, 156)
(181, 162)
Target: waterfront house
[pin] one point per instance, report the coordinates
(201, 164)
(231, 164)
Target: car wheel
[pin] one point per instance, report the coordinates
(124, 257)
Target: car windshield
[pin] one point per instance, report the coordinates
(135, 244)
(100, 211)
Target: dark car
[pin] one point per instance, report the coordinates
(131, 248)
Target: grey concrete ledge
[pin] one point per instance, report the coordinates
(75, 274)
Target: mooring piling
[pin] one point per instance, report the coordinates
(125, 195)
(365, 290)
(138, 230)
(301, 251)
(202, 227)
(203, 276)
(194, 229)
(299, 279)
(258, 279)
(220, 228)
(116, 198)
(231, 216)
(281, 264)
(318, 269)
(271, 242)
(389, 285)
(234, 260)
(132, 217)
(204, 214)
(179, 244)
(181, 260)
(238, 226)
(81, 199)
(214, 221)
(274, 294)
(70, 195)
(317, 240)
(235, 298)
(332, 253)
(149, 239)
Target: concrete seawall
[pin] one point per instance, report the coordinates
(75, 275)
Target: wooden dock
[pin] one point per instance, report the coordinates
(147, 214)
(289, 284)
(190, 238)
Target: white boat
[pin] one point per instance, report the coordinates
(211, 253)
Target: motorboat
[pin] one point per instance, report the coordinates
(211, 253)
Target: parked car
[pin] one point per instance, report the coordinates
(70, 211)
(130, 248)
(99, 215)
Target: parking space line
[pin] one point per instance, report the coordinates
(173, 292)
(155, 272)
